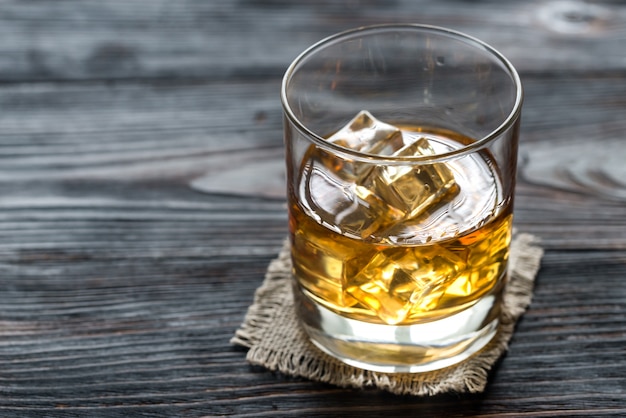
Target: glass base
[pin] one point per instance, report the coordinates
(401, 348)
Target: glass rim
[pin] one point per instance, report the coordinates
(477, 145)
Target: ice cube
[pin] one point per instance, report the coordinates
(341, 204)
(366, 214)
(365, 133)
(412, 189)
(397, 281)
(362, 199)
(324, 264)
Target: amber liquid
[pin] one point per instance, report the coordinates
(381, 267)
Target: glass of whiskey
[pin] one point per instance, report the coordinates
(401, 151)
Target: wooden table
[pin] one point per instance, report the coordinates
(141, 200)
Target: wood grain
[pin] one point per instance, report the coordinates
(87, 39)
(141, 200)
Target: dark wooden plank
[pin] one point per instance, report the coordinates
(112, 147)
(69, 40)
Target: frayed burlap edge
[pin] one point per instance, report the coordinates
(276, 341)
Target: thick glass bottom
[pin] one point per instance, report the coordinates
(401, 349)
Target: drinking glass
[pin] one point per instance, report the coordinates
(401, 149)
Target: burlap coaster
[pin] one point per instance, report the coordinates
(276, 341)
